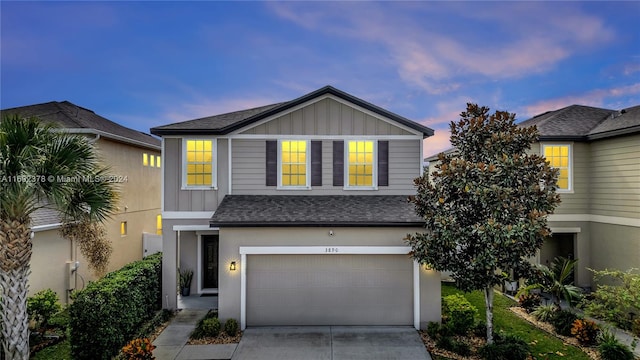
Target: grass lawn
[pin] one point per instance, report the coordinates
(59, 351)
(543, 345)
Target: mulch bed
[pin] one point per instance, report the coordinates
(222, 338)
(474, 342)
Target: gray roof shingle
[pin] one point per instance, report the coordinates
(571, 122)
(226, 123)
(326, 210)
(71, 116)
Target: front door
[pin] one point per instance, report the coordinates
(210, 261)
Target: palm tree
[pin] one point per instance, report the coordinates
(40, 166)
(557, 281)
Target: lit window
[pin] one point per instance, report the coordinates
(293, 163)
(199, 163)
(158, 161)
(145, 159)
(360, 164)
(559, 157)
(123, 228)
(159, 224)
(152, 163)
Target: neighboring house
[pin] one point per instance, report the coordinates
(598, 154)
(295, 213)
(135, 161)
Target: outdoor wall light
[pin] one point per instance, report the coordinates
(232, 267)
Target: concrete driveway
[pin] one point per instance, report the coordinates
(331, 343)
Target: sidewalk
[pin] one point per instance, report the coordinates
(171, 344)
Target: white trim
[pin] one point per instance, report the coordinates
(46, 227)
(416, 295)
(565, 230)
(320, 98)
(374, 180)
(421, 161)
(307, 186)
(570, 167)
(613, 220)
(214, 163)
(323, 137)
(324, 250)
(162, 152)
(198, 228)
(175, 215)
(111, 136)
(230, 167)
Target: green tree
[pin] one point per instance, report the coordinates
(40, 166)
(486, 204)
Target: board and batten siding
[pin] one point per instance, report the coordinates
(178, 199)
(615, 177)
(327, 117)
(249, 170)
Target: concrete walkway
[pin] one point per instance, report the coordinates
(171, 343)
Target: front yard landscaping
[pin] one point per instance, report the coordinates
(542, 344)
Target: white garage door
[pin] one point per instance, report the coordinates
(329, 290)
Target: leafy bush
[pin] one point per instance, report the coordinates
(562, 321)
(611, 349)
(42, 306)
(544, 312)
(635, 327)
(505, 347)
(110, 311)
(433, 329)
(139, 349)
(61, 319)
(451, 344)
(529, 301)
(614, 303)
(231, 327)
(480, 329)
(585, 331)
(458, 313)
(208, 326)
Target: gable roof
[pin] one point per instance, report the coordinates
(225, 123)
(309, 210)
(78, 119)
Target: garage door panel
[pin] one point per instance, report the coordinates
(329, 290)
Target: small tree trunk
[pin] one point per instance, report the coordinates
(488, 301)
(15, 254)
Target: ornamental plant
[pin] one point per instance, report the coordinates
(586, 331)
(615, 301)
(139, 349)
(485, 206)
(42, 306)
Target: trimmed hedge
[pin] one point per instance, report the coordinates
(106, 315)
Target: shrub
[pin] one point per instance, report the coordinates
(544, 312)
(459, 313)
(231, 327)
(635, 327)
(562, 322)
(42, 306)
(611, 349)
(505, 347)
(61, 319)
(480, 329)
(206, 327)
(615, 302)
(109, 312)
(529, 301)
(585, 331)
(139, 349)
(433, 329)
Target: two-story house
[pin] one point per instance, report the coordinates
(134, 160)
(295, 213)
(597, 152)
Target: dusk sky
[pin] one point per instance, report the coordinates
(145, 64)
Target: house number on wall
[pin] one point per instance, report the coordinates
(331, 250)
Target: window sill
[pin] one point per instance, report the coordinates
(199, 188)
(285, 188)
(360, 188)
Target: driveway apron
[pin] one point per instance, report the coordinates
(331, 343)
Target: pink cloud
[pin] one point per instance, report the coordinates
(437, 143)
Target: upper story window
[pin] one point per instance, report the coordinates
(360, 164)
(159, 224)
(145, 159)
(150, 160)
(559, 156)
(198, 165)
(294, 163)
(123, 228)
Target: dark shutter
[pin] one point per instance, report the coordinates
(383, 163)
(316, 163)
(272, 163)
(338, 163)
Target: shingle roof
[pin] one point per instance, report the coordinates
(45, 216)
(626, 120)
(330, 210)
(71, 116)
(569, 123)
(226, 123)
